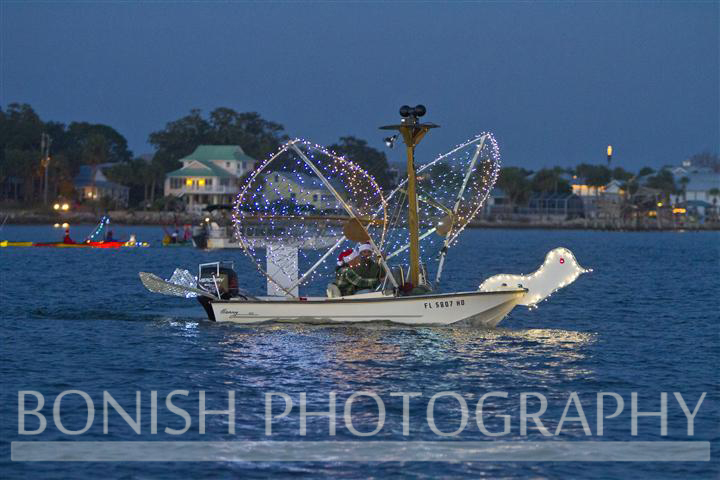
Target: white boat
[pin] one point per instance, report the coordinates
(472, 308)
(213, 236)
(406, 296)
(486, 307)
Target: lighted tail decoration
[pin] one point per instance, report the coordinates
(559, 270)
(299, 207)
(452, 190)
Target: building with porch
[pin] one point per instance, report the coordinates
(91, 184)
(301, 189)
(209, 176)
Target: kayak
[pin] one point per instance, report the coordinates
(81, 245)
(6, 243)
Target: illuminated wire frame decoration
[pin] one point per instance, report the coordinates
(451, 190)
(304, 203)
(98, 232)
(559, 269)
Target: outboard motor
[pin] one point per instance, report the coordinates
(218, 278)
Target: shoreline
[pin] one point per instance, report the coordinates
(150, 218)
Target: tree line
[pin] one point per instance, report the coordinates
(519, 184)
(82, 143)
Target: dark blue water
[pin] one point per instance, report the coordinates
(646, 321)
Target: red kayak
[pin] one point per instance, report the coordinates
(77, 245)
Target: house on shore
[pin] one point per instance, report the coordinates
(540, 206)
(210, 175)
(700, 184)
(91, 184)
(300, 189)
(698, 190)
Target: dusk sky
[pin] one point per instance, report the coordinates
(555, 81)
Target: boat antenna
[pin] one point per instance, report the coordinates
(412, 132)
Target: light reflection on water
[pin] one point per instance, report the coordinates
(368, 354)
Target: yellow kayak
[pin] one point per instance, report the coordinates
(5, 243)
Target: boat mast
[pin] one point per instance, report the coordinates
(412, 132)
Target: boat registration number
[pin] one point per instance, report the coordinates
(444, 304)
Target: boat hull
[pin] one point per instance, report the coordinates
(485, 309)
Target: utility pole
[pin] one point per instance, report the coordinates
(45, 141)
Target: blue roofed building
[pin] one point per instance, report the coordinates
(696, 183)
(91, 184)
(301, 189)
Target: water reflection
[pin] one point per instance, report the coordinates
(372, 356)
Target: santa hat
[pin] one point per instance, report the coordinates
(343, 256)
(364, 246)
(351, 256)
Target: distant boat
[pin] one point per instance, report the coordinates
(89, 242)
(213, 236)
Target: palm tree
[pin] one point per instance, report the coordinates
(714, 192)
(94, 153)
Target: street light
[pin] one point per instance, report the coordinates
(609, 154)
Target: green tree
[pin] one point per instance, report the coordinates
(257, 137)
(550, 180)
(105, 142)
(78, 144)
(621, 174)
(179, 138)
(645, 171)
(514, 182)
(663, 181)
(594, 175)
(20, 130)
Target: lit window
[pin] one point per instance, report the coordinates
(201, 182)
(188, 182)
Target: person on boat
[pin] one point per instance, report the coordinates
(187, 234)
(363, 272)
(343, 260)
(174, 237)
(109, 236)
(343, 263)
(66, 238)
